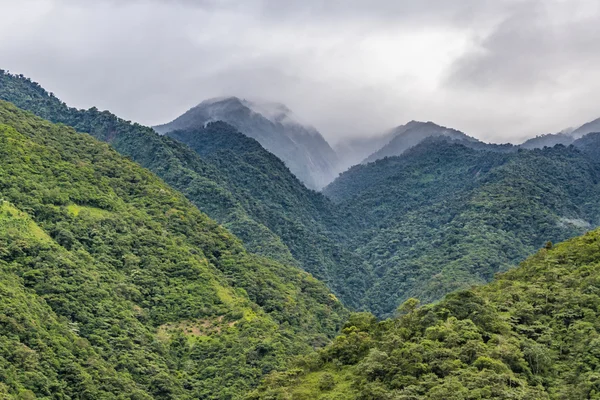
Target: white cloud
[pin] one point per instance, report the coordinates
(499, 70)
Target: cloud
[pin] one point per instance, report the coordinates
(499, 70)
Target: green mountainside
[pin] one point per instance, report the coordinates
(114, 286)
(533, 333)
(444, 216)
(286, 221)
(306, 221)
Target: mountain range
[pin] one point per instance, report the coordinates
(197, 264)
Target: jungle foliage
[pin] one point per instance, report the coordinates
(114, 286)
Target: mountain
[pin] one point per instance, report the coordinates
(593, 126)
(549, 140)
(532, 333)
(307, 222)
(287, 222)
(115, 286)
(566, 137)
(444, 216)
(301, 147)
(589, 145)
(411, 134)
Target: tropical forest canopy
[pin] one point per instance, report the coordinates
(196, 265)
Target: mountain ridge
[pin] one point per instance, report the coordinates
(301, 147)
(410, 134)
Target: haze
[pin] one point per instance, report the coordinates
(497, 70)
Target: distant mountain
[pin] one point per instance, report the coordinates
(589, 145)
(444, 216)
(593, 126)
(114, 286)
(301, 147)
(566, 137)
(406, 136)
(549, 140)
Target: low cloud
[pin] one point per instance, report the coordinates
(499, 70)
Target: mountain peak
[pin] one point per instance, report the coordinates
(300, 146)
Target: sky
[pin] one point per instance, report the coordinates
(499, 70)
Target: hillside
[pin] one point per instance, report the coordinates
(589, 127)
(273, 125)
(548, 140)
(116, 286)
(530, 334)
(444, 216)
(293, 229)
(566, 137)
(307, 222)
(589, 145)
(406, 136)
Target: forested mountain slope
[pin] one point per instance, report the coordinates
(406, 136)
(301, 147)
(589, 145)
(533, 333)
(566, 137)
(306, 221)
(215, 189)
(444, 216)
(115, 286)
(548, 140)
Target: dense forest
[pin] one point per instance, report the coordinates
(287, 222)
(114, 283)
(445, 216)
(533, 333)
(115, 286)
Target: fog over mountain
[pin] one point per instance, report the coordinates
(305, 152)
(499, 70)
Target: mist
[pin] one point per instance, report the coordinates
(497, 70)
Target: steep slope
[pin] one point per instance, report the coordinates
(306, 221)
(533, 333)
(222, 196)
(411, 134)
(131, 291)
(590, 146)
(301, 147)
(444, 216)
(590, 127)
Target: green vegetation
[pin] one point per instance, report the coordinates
(233, 180)
(114, 286)
(307, 222)
(533, 333)
(444, 217)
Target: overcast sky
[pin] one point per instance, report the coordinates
(500, 70)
